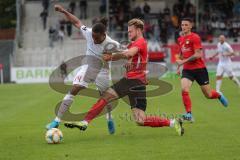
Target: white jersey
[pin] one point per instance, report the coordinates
(93, 71)
(223, 49)
(96, 49)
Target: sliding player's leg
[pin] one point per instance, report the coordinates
(138, 102)
(156, 121)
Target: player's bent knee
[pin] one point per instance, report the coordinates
(139, 121)
(208, 95)
(185, 90)
(111, 92)
(110, 95)
(139, 116)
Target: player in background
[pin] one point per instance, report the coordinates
(225, 52)
(97, 39)
(132, 85)
(193, 68)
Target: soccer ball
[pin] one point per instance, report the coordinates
(54, 136)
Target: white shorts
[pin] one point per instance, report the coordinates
(87, 74)
(225, 68)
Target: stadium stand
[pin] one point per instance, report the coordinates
(36, 50)
(161, 26)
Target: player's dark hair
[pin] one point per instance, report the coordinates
(187, 19)
(100, 26)
(103, 20)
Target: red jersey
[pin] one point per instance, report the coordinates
(188, 44)
(136, 67)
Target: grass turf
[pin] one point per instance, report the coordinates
(26, 109)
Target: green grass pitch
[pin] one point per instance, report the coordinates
(26, 109)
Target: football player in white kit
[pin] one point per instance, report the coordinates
(225, 51)
(93, 70)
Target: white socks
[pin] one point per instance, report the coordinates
(172, 122)
(218, 85)
(65, 105)
(57, 119)
(235, 79)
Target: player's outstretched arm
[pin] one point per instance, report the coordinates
(111, 57)
(122, 55)
(75, 21)
(228, 54)
(213, 56)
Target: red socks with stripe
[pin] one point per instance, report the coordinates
(187, 101)
(95, 110)
(215, 95)
(154, 121)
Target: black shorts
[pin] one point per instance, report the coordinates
(200, 75)
(134, 89)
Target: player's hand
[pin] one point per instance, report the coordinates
(178, 71)
(210, 58)
(107, 57)
(58, 8)
(179, 62)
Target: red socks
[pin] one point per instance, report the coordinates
(95, 110)
(187, 101)
(215, 95)
(154, 121)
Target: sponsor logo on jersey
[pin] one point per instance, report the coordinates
(187, 41)
(85, 28)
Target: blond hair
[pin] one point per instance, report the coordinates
(138, 23)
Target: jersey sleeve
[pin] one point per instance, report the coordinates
(112, 45)
(117, 44)
(197, 42)
(178, 41)
(229, 48)
(87, 32)
(138, 45)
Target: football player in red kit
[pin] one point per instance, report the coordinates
(194, 69)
